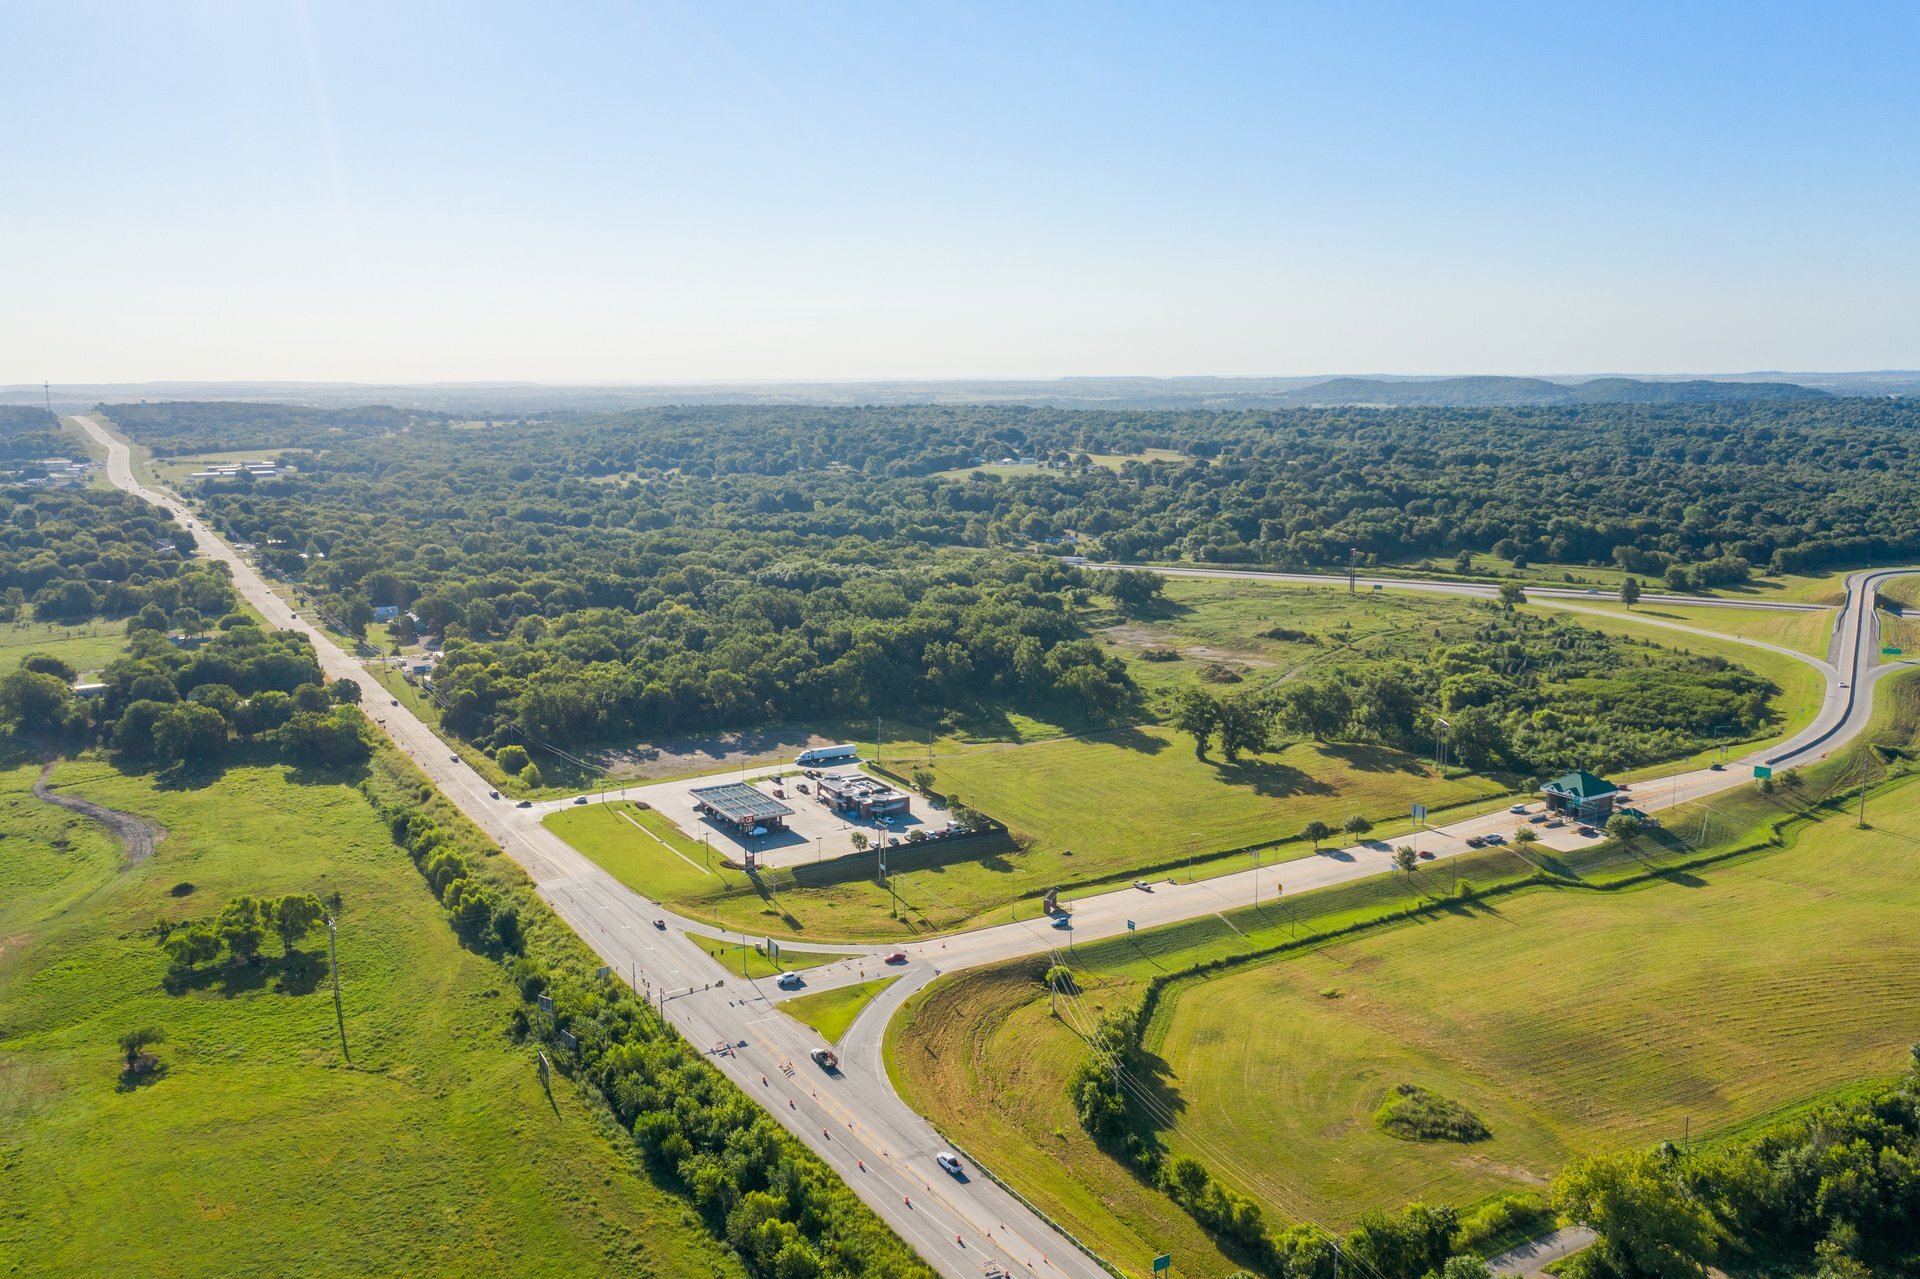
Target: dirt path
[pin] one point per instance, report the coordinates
(137, 835)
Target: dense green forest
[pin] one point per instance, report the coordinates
(687, 569)
(27, 434)
(78, 553)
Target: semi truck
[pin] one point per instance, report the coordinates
(814, 756)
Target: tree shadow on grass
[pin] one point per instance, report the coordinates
(1130, 737)
(145, 1072)
(1271, 778)
(297, 974)
(1365, 757)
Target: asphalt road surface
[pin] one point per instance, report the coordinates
(851, 1117)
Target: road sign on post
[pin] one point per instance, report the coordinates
(773, 949)
(1129, 925)
(1163, 1262)
(1420, 814)
(1761, 772)
(546, 1003)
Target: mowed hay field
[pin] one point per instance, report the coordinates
(1570, 1020)
(259, 1149)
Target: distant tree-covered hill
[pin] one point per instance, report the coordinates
(1530, 392)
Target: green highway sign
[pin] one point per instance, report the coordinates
(1762, 772)
(1129, 925)
(1163, 1262)
(1889, 652)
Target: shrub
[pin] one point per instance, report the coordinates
(1413, 1113)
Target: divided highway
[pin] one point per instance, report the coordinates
(853, 1119)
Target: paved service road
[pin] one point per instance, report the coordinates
(852, 1117)
(1483, 590)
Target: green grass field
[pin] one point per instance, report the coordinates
(261, 1146)
(1714, 996)
(831, 1011)
(1139, 796)
(1799, 630)
(87, 647)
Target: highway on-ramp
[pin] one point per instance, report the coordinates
(852, 1118)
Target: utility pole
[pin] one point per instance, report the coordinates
(1351, 552)
(333, 965)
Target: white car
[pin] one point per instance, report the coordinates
(949, 1163)
(1518, 808)
(789, 981)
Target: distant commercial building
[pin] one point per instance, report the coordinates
(740, 806)
(1581, 795)
(863, 796)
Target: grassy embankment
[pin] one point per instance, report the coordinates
(831, 1011)
(433, 1150)
(1714, 993)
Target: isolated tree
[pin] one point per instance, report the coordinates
(530, 776)
(923, 779)
(1316, 831)
(1511, 595)
(1245, 725)
(1624, 827)
(1630, 591)
(1526, 835)
(294, 917)
(512, 759)
(860, 841)
(1463, 562)
(1356, 825)
(1406, 859)
(1197, 713)
(135, 1042)
(1134, 590)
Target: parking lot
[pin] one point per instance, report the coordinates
(814, 832)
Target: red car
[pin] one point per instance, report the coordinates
(897, 957)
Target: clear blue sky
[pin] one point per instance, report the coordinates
(628, 191)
